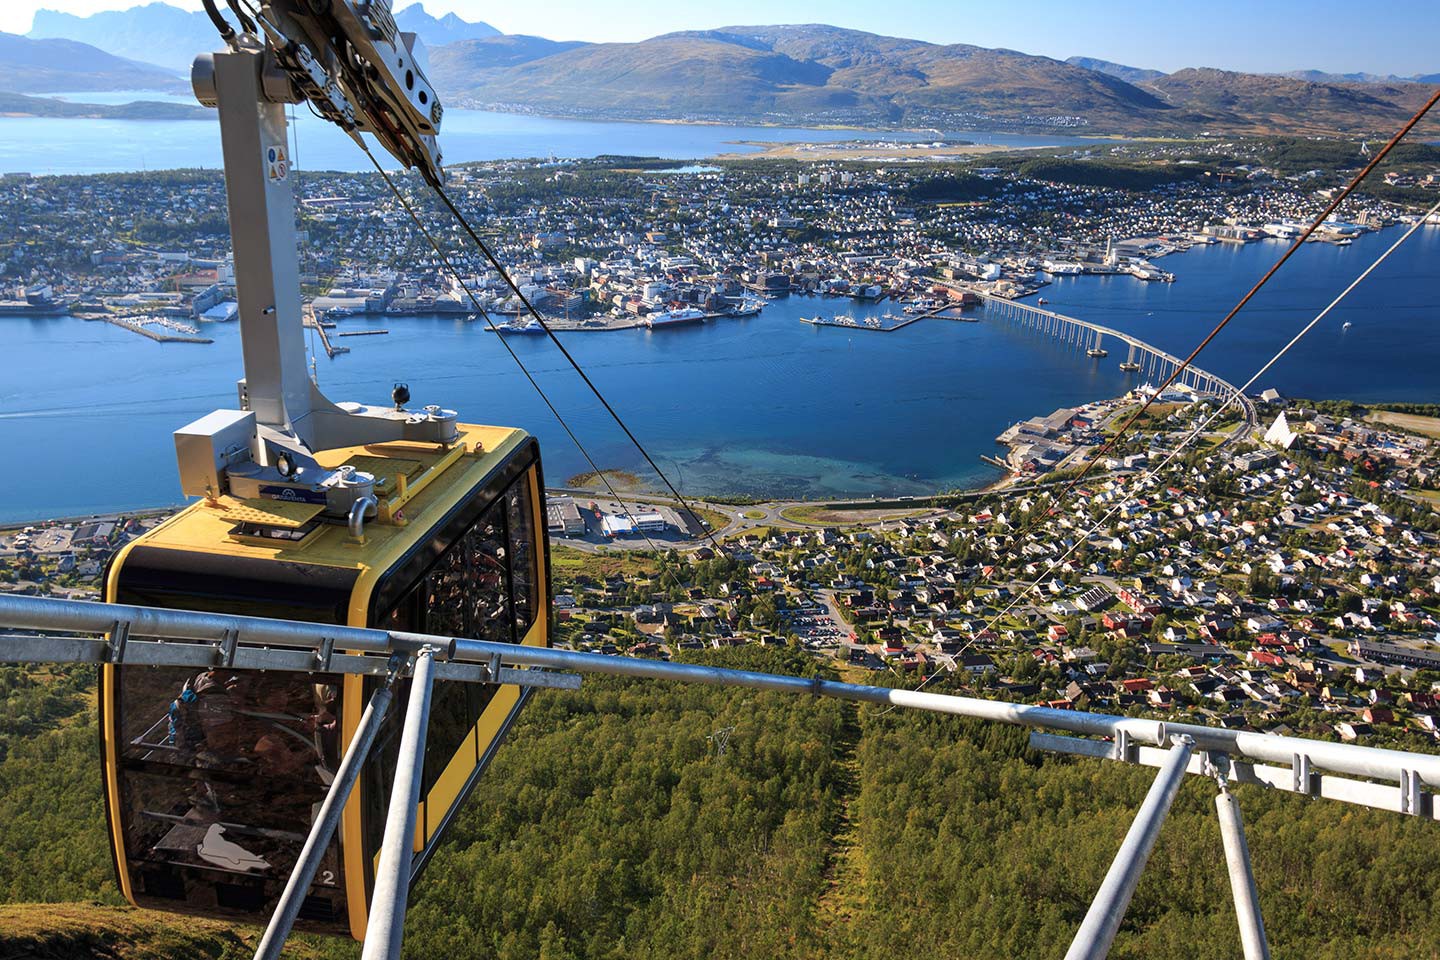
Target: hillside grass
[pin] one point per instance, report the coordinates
(51, 931)
(612, 826)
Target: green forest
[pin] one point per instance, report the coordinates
(631, 819)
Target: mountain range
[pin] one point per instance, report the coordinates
(796, 74)
(1128, 74)
(438, 31)
(169, 37)
(822, 74)
(155, 33)
(53, 66)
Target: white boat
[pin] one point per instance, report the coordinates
(1345, 325)
(529, 326)
(668, 318)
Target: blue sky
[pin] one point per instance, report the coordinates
(1383, 36)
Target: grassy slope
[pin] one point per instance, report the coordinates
(611, 827)
(48, 931)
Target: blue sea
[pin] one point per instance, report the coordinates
(767, 406)
(50, 145)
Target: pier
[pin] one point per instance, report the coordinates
(309, 319)
(879, 324)
(134, 327)
(885, 324)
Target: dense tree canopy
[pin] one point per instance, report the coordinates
(615, 824)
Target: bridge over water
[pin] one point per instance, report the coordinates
(1141, 357)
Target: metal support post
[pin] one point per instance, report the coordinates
(1102, 922)
(1242, 878)
(386, 929)
(261, 198)
(324, 827)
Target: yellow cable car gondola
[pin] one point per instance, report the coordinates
(212, 776)
(366, 516)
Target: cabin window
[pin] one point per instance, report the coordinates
(520, 517)
(220, 773)
(481, 587)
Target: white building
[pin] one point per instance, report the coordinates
(1280, 434)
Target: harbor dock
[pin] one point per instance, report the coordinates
(889, 323)
(135, 326)
(309, 319)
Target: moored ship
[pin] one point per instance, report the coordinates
(670, 318)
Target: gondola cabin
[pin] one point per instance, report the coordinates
(212, 777)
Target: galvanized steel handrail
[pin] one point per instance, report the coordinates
(38, 613)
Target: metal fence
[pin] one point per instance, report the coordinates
(69, 631)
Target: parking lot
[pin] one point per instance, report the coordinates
(815, 625)
(679, 529)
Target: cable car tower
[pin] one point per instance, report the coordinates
(223, 780)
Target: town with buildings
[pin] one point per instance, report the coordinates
(1284, 584)
(614, 244)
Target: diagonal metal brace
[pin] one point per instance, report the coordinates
(1102, 921)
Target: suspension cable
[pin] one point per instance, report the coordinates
(454, 272)
(1314, 225)
(510, 282)
(1152, 473)
(1298, 242)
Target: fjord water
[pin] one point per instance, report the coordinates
(44, 145)
(765, 406)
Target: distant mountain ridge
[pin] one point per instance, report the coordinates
(810, 73)
(55, 66)
(456, 65)
(1120, 70)
(439, 31)
(161, 34)
(1266, 102)
(797, 74)
(154, 33)
(1320, 76)
(814, 73)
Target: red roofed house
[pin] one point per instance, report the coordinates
(1262, 659)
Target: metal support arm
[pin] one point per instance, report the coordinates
(251, 90)
(45, 613)
(1102, 922)
(386, 929)
(1242, 877)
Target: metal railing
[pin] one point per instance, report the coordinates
(1383, 778)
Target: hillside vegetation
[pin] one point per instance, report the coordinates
(613, 826)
